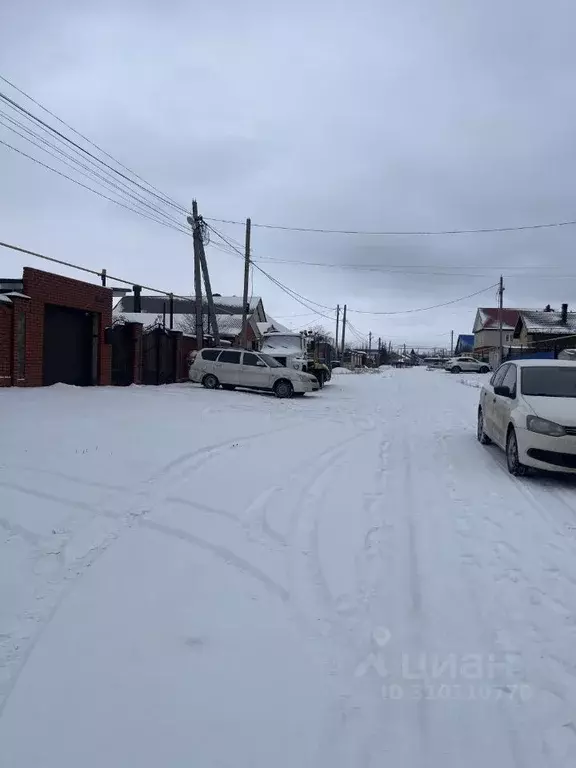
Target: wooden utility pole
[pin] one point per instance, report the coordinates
(500, 320)
(343, 333)
(369, 342)
(337, 325)
(209, 298)
(197, 240)
(451, 343)
(246, 281)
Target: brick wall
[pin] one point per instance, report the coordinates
(46, 288)
(5, 345)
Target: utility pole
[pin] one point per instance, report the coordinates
(209, 300)
(500, 319)
(451, 343)
(343, 333)
(246, 281)
(197, 240)
(369, 342)
(337, 325)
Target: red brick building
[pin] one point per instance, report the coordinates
(52, 329)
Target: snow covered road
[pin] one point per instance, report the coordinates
(349, 580)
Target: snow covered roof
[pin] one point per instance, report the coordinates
(4, 299)
(550, 323)
(231, 325)
(228, 325)
(272, 326)
(488, 318)
(155, 304)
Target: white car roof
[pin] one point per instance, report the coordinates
(544, 363)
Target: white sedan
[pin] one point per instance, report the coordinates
(529, 409)
(466, 363)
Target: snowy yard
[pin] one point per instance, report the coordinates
(216, 579)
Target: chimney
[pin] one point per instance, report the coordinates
(564, 318)
(137, 300)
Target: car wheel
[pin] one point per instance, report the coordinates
(283, 388)
(484, 369)
(228, 387)
(514, 466)
(481, 435)
(456, 369)
(210, 381)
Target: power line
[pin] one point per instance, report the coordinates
(89, 173)
(85, 186)
(99, 273)
(81, 135)
(293, 294)
(424, 309)
(85, 269)
(403, 233)
(164, 199)
(424, 269)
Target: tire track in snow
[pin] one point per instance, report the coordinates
(125, 515)
(521, 594)
(223, 553)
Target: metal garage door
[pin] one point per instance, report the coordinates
(68, 346)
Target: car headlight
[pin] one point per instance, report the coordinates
(544, 427)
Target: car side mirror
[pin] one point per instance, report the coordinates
(503, 391)
(261, 364)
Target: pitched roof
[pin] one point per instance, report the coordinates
(186, 306)
(272, 325)
(549, 323)
(228, 325)
(489, 318)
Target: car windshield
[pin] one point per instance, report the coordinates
(270, 361)
(549, 381)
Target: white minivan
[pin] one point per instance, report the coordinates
(231, 368)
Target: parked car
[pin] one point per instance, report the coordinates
(529, 410)
(231, 368)
(466, 363)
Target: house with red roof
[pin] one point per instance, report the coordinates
(487, 329)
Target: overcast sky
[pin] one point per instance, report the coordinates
(384, 115)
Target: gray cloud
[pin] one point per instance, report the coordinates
(388, 115)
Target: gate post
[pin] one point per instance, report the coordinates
(137, 331)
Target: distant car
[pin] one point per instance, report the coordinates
(231, 368)
(529, 410)
(466, 363)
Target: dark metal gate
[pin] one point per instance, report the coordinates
(68, 354)
(159, 361)
(121, 338)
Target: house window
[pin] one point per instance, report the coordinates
(21, 346)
